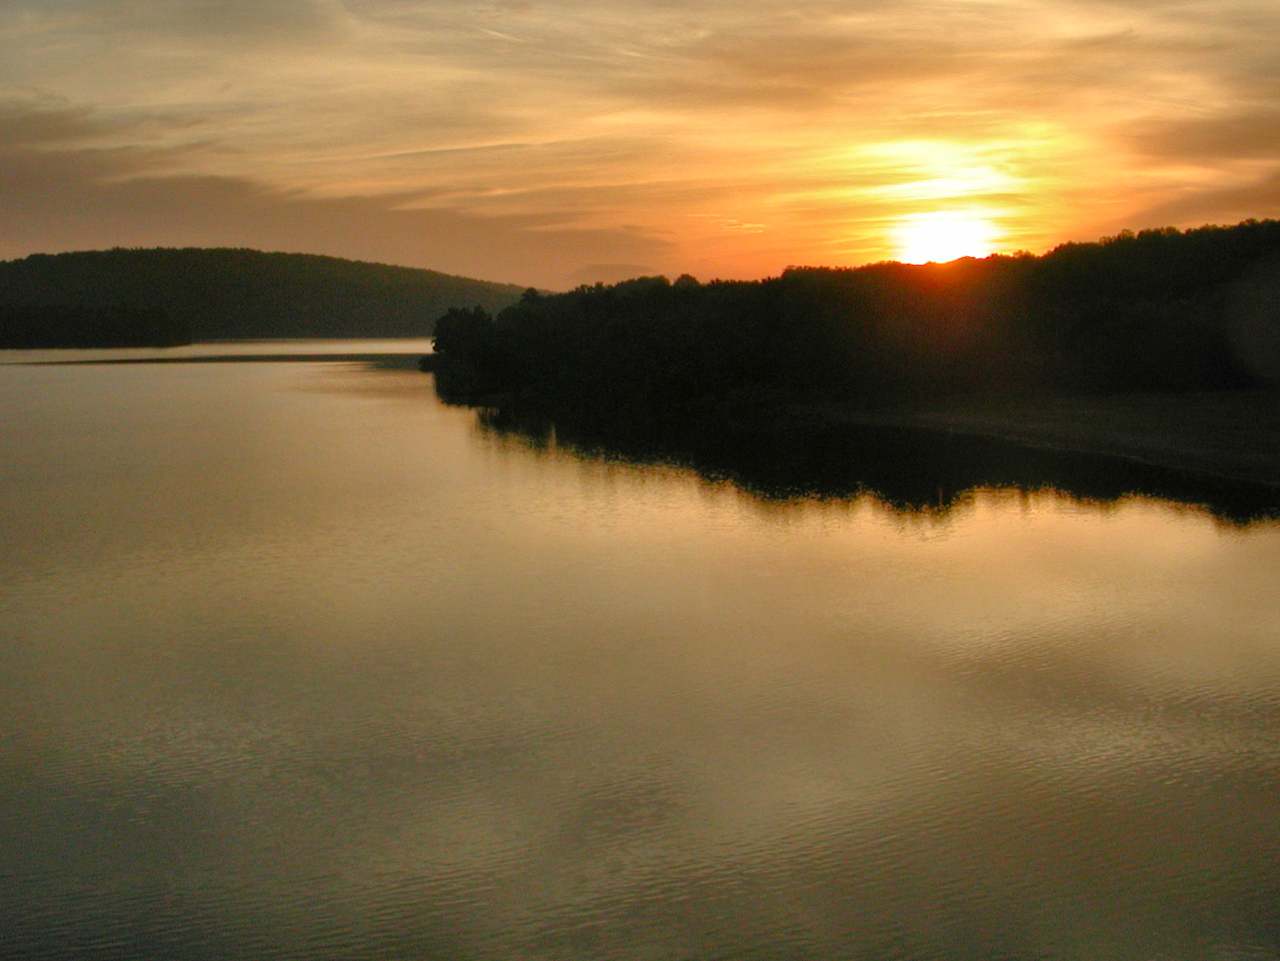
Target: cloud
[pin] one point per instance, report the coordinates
(58, 195)
(1223, 203)
(26, 126)
(1238, 135)
(204, 20)
(816, 125)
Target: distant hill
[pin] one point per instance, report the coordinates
(236, 293)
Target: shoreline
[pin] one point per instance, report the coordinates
(407, 360)
(1231, 436)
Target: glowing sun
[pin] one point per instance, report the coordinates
(943, 235)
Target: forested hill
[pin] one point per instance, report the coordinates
(230, 293)
(1158, 310)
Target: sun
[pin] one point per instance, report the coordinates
(943, 235)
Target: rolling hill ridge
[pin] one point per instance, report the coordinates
(220, 293)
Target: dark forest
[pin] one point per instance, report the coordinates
(1157, 310)
(231, 293)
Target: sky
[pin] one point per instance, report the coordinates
(556, 143)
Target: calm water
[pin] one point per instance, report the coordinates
(298, 663)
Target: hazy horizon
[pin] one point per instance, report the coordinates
(670, 274)
(550, 145)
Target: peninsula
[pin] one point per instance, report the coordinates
(1161, 347)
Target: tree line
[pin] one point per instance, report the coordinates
(1155, 310)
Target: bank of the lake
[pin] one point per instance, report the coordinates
(1220, 434)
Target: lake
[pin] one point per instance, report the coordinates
(298, 662)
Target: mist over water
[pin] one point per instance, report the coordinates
(299, 662)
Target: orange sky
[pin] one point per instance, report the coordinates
(556, 143)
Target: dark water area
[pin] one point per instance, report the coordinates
(911, 470)
(299, 662)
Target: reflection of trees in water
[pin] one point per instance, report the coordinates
(910, 471)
